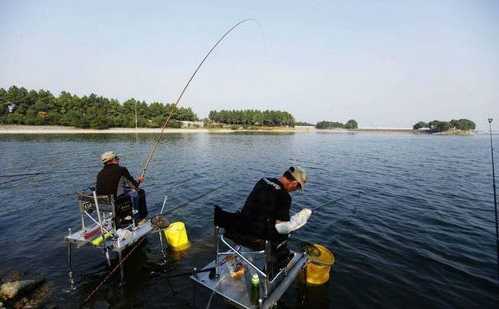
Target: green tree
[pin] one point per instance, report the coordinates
(328, 125)
(351, 124)
(420, 125)
(465, 124)
(438, 126)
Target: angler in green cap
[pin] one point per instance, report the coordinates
(266, 213)
(267, 208)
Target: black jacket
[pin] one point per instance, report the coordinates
(111, 178)
(267, 203)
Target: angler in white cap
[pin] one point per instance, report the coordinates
(115, 180)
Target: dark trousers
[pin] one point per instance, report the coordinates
(138, 199)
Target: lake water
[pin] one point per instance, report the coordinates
(415, 227)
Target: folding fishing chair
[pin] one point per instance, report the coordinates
(258, 256)
(108, 213)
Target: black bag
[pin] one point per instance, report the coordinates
(142, 205)
(124, 213)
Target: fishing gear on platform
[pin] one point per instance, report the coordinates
(163, 127)
(495, 193)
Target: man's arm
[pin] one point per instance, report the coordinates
(130, 179)
(297, 221)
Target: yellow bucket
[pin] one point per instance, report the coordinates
(176, 236)
(320, 261)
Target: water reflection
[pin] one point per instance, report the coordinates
(421, 200)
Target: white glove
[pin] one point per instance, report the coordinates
(297, 221)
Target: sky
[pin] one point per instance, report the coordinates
(387, 64)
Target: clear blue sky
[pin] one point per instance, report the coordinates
(384, 63)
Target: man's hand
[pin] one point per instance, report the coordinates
(297, 221)
(140, 179)
(306, 212)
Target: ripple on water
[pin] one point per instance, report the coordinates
(415, 226)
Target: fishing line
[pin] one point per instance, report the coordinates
(194, 199)
(334, 201)
(173, 109)
(330, 202)
(24, 174)
(495, 193)
(14, 180)
(113, 270)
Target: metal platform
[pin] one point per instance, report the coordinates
(107, 225)
(238, 291)
(114, 244)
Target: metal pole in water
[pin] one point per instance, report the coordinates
(495, 192)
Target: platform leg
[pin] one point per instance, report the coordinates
(217, 262)
(108, 258)
(70, 268)
(163, 250)
(305, 287)
(193, 294)
(122, 271)
(269, 270)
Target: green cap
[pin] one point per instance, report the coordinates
(298, 174)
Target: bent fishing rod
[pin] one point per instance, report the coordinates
(333, 201)
(495, 192)
(174, 107)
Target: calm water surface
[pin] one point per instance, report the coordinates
(415, 229)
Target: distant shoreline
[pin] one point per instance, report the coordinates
(27, 129)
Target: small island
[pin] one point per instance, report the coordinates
(349, 125)
(453, 127)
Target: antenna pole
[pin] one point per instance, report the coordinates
(495, 192)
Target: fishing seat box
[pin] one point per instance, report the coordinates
(232, 224)
(124, 212)
(124, 208)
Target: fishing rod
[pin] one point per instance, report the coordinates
(333, 201)
(495, 193)
(194, 271)
(174, 107)
(200, 196)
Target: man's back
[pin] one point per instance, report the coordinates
(267, 202)
(108, 179)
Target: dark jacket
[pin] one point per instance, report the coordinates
(112, 178)
(267, 202)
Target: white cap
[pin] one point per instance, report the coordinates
(108, 156)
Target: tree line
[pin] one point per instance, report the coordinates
(304, 123)
(441, 126)
(350, 124)
(252, 117)
(30, 107)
